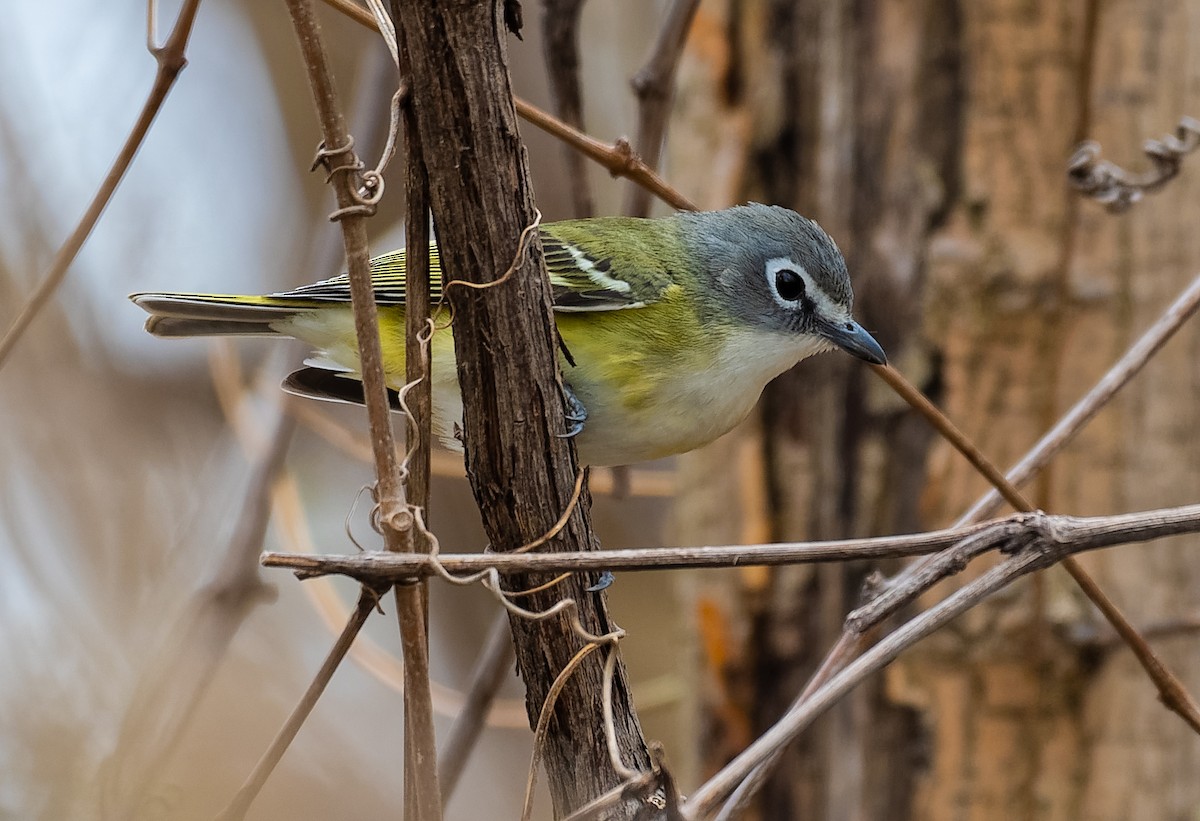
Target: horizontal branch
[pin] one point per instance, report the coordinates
(1034, 541)
(1075, 534)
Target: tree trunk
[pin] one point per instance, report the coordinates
(521, 469)
(931, 139)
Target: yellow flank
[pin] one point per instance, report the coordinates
(630, 354)
(626, 354)
(642, 377)
(391, 339)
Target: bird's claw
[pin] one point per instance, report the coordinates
(603, 583)
(576, 414)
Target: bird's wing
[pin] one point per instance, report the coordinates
(387, 275)
(585, 279)
(580, 279)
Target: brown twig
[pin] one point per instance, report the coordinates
(398, 521)
(1171, 690)
(1099, 531)
(1040, 552)
(560, 47)
(619, 158)
(171, 60)
(543, 723)
(1119, 189)
(1073, 421)
(413, 602)
(494, 663)
(519, 464)
(921, 576)
(367, 601)
(653, 85)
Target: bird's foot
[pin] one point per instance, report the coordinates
(603, 583)
(576, 414)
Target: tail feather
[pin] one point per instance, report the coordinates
(177, 326)
(331, 386)
(177, 315)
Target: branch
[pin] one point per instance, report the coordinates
(1088, 532)
(522, 471)
(1042, 550)
(560, 46)
(171, 60)
(367, 600)
(396, 518)
(923, 574)
(653, 85)
(1073, 421)
(1171, 690)
(619, 158)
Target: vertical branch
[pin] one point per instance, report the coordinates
(522, 471)
(560, 45)
(418, 400)
(396, 518)
(653, 85)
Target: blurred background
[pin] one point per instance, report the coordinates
(929, 138)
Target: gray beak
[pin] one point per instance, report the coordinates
(853, 339)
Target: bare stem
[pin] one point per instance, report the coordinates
(560, 44)
(397, 520)
(171, 60)
(237, 808)
(1174, 695)
(1089, 533)
(653, 85)
(619, 159)
(1074, 420)
(767, 747)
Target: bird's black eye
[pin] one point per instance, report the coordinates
(789, 285)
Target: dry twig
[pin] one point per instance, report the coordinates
(1073, 421)
(560, 44)
(653, 85)
(1099, 531)
(368, 599)
(355, 199)
(1174, 695)
(171, 60)
(619, 158)
(1036, 550)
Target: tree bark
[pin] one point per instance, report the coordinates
(521, 470)
(930, 139)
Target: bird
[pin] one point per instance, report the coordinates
(670, 327)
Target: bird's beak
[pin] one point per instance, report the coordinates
(853, 339)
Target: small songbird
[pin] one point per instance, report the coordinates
(671, 327)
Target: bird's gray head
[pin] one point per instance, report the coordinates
(771, 268)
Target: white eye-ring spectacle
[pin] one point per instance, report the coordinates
(792, 286)
(788, 281)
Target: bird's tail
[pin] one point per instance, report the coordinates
(174, 315)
